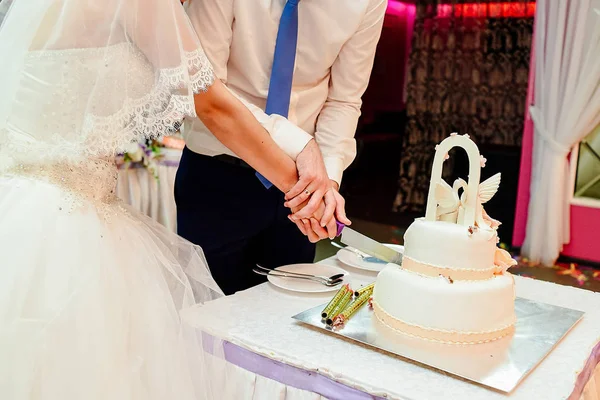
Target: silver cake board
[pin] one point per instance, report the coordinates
(499, 365)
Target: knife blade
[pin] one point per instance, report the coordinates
(350, 237)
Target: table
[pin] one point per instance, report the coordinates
(271, 356)
(149, 194)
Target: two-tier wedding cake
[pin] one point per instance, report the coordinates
(453, 285)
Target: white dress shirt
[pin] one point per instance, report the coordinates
(336, 46)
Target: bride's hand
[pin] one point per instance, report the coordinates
(312, 227)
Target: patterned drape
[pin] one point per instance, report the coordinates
(468, 73)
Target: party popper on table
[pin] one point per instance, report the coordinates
(363, 289)
(351, 309)
(335, 301)
(344, 301)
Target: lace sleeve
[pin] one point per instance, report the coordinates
(159, 112)
(162, 33)
(113, 72)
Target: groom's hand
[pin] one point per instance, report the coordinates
(313, 183)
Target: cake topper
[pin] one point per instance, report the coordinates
(450, 204)
(487, 190)
(448, 200)
(444, 202)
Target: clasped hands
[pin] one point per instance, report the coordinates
(314, 200)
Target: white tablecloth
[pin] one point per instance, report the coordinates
(149, 195)
(259, 320)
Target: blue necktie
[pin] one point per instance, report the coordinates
(282, 73)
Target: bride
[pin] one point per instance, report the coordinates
(90, 291)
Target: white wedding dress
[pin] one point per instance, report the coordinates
(90, 290)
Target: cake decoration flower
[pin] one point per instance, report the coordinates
(503, 261)
(491, 222)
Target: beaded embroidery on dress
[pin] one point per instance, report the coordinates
(90, 290)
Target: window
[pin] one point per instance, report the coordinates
(587, 175)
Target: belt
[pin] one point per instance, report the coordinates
(232, 160)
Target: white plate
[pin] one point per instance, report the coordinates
(353, 260)
(306, 286)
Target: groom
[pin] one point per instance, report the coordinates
(258, 47)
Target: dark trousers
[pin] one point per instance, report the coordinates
(225, 209)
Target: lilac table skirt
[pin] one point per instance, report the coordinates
(587, 385)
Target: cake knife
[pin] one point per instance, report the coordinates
(363, 243)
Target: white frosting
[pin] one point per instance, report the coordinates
(434, 303)
(446, 244)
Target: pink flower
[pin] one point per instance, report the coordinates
(503, 260)
(494, 223)
(453, 134)
(482, 161)
(447, 156)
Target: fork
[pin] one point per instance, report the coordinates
(330, 279)
(309, 278)
(363, 256)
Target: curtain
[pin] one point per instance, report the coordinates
(388, 79)
(566, 110)
(468, 73)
